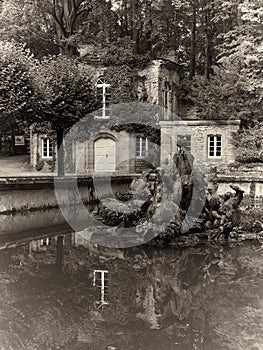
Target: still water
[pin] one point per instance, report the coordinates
(61, 292)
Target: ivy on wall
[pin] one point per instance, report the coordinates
(122, 80)
(153, 134)
(127, 87)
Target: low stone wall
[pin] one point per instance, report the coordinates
(250, 183)
(17, 194)
(23, 193)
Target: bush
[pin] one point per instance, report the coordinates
(249, 144)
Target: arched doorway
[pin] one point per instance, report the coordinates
(104, 155)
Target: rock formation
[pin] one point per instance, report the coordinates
(217, 219)
(220, 214)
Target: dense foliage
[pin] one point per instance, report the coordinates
(218, 43)
(16, 91)
(66, 92)
(204, 297)
(53, 90)
(249, 144)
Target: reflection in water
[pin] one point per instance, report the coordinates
(31, 220)
(203, 297)
(100, 281)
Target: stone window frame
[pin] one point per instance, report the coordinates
(217, 146)
(46, 150)
(103, 83)
(140, 150)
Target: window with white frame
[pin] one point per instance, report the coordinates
(141, 146)
(103, 95)
(214, 146)
(184, 141)
(47, 148)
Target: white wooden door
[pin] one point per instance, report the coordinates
(104, 155)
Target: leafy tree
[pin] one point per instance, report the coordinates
(241, 49)
(235, 88)
(223, 96)
(66, 93)
(25, 22)
(249, 144)
(66, 17)
(218, 42)
(18, 100)
(49, 27)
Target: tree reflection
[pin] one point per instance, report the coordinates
(205, 298)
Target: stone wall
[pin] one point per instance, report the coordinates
(85, 156)
(151, 83)
(82, 159)
(199, 130)
(169, 74)
(36, 159)
(22, 194)
(156, 75)
(250, 180)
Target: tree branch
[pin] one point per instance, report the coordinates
(78, 14)
(54, 15)
(82, 11)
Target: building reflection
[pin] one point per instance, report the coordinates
(41, 245)
(101, 283)
(174, 298)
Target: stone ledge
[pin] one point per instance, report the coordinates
(31, 183)
(208, 122)
(238, 178)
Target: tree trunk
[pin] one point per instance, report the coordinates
(13, 148)
(60, 152)
(193, 42)
(134, 28)
(125, 20)
(65, 16)
(209, 40)
(207, 55)
(239, 20)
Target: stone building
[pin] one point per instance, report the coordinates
(209, 141)
(120, 152)
(128, 151)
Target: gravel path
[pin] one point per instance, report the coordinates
(19, 166)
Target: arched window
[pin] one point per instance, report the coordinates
(166, 102)
(103, 95)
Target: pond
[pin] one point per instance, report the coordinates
(62, 292)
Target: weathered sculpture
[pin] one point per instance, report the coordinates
(220, 214)
(218, 217)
